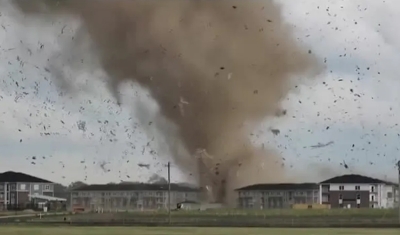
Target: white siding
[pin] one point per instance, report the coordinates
(349, 187)
(379, 194)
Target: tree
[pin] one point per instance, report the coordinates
(157, 179)
(75, 185)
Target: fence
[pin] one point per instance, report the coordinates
(34, 207)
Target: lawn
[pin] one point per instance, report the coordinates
(184, 231)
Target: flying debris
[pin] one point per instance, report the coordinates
(144, 165)
(275, 131)
(81, 125)
(321, 145)
(344, 165)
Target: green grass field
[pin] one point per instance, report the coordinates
(187, 231)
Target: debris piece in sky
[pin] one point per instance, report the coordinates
(144, 165)
(344, 165)
(275, 131)
(81, 125)
(321, 145)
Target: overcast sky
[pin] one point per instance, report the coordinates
(353, 108)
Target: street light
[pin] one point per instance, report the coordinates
(169, 192)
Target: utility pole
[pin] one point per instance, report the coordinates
(169, 192)
(398, 189)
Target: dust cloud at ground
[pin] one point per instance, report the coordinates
(215, 68)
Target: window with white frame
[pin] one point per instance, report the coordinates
(372, 189)
(36, 187)
(341, 187)
(47, 187)
(22, 186)
(358, 187)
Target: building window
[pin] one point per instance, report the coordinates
(358, 196)
(1, 195)
(341, 187)
(389, 195)
(358, 206)
(13, 187)
(372, 198)
(372, 189)
(358, 187)
(22, 186)
(36, 187)
(340, 196)
(1, 187)
(47, 187)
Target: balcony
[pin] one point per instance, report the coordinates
(325, 190)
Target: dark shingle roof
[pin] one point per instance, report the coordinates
(134, 187)
(354, 179)
(14, 177)
(262, 187)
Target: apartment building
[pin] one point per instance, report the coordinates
(357, 191)
(269, 196)
(131, 196)
(17, 189)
